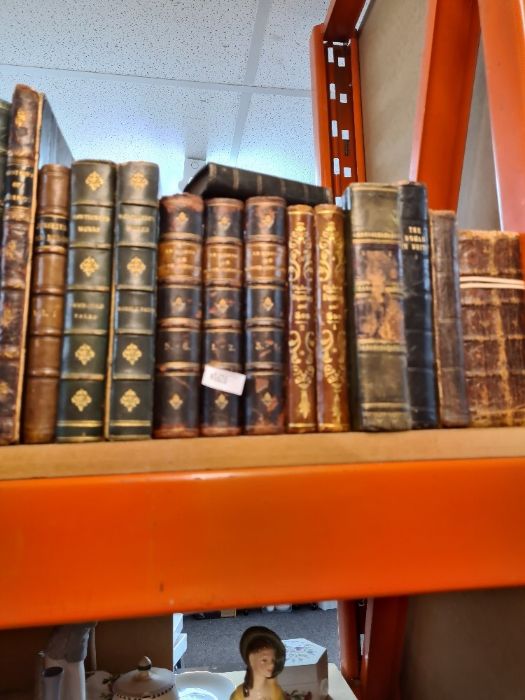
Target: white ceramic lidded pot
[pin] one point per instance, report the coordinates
(146, 682)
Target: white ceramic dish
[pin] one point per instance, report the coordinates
(203, 685)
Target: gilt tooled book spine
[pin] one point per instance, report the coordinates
(493, 316)
(453, 410)
(331, 321)
(413, 218)
(131, 357)
(301, 409)
(81, 396)
(179, 317)
(378, 355)
(5, 110)
(17, 247)
(46, 306)
(222, 346)
(265, 273)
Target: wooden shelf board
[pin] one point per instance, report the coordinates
(105, 458)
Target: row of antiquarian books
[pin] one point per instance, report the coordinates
(374, 316)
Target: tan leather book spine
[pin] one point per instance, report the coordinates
(453, 411)
(17, 247)
(331, 344)
(301, 409)
(47, 305)
(493, 316)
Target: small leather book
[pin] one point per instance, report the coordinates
(81, 400)
(301, 410)
(378, 354)
(453, 410)
(222, 346)
(179, 317)
(5, 109)
(215, 180)
(131, 357)
(46, 305)
(413, 218)
(331, 343)
(493, 316)
(265, 278)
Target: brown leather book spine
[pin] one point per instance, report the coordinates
(222, 347)
(179, 317)
(5, 111)
(17, 247)
(330, 354)
(493, 315)
(265, 278)
(46, 305)
(453, 410)
(301, 409)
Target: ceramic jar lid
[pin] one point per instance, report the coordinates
(145, 682)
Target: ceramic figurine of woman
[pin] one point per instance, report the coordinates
(264, 655)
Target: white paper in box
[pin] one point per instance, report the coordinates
(306, 669)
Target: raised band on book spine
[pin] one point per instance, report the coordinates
(81, 402)
(301, 410)
(379, 385)
(222, 346)
(265, 277)
(413, 218)
(131, 357)
(179, 317)
(46, 305)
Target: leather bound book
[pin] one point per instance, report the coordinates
(265, 278)
(80, 416)
(179, 317)
(493, 315)
(215, 180)
(413, 218)
(378, 356)
(131, 358)
(5, 109)
(331, 344)
(222, 346)
(453, 410)
(46, 305)
(301, 408)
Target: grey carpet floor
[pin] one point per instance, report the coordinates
(214, 644)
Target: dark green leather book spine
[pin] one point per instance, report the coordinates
(131, 359)
(413, 218)
(222, 346)
(81, 401)
(179, 318)
(5, 108)
(378, 356)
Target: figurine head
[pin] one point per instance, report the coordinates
(263, 653)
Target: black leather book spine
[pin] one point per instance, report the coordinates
(131, 359)
(413, 219)
(179, 318)
(222, 346)
(81, 401)
(5, 108)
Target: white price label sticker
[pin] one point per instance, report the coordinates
(223, 380)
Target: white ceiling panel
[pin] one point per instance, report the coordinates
(278, 137)
(203, 40)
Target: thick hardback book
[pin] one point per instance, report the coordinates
(179, 317)
(46, 315)
(222, 346)
(493, 315)
(453, 411)
(131, 357)
(5, 110)
(32, 132)
(214, 180)
(81, 401)
(301, 411)
(331, 321)
(265, 273)
(413, 218)
(378, 355)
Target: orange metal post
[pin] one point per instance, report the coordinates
(341, 18)
(503, 31)
(349, 642)
(445, 95)
(320, 107)
(359, 141)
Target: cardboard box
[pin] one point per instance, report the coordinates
(306, 669)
